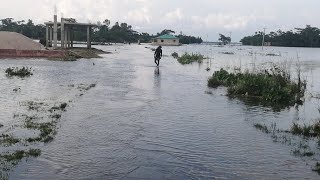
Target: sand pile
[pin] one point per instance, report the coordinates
(12, 40)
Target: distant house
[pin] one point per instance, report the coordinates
(166, 40)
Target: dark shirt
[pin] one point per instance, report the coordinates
(158, 52)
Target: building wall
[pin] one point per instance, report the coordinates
(166, 42)
(31, 53)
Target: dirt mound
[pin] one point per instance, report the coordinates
(12, 40)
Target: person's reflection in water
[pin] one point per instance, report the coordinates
(157, 77)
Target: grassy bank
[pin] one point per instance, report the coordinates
(273, 87)
(188, 58)
(72, 54)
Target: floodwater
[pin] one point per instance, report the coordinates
(144, 122)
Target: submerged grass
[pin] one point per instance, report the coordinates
(47, 130)
(311, 130)
(8, 140)
(274, 87)
(188, 58)
(317, 168)
(261, 127)
(19, 154)
(20, 72)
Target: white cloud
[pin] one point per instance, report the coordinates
(173, 16)
(226, 21)
(139, 15)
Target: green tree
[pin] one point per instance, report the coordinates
(224, 39)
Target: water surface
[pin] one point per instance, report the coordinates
(144, 122)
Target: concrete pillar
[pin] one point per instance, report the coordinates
(62, 33)
(55, 31)
(71, 36)
(47, 36)
(68, 35)
(65, 36)
(50, 36)
(89, 37)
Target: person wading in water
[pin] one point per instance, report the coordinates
(158, 55)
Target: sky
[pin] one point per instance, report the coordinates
(204, 18)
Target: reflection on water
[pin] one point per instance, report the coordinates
(157, 77)
(142, 122)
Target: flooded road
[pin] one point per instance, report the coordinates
(144, 122)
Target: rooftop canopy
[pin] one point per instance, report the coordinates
(167, 36)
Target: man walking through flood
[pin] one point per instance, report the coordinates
(158, 55)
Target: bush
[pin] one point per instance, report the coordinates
(21, 72)
(190, 58)
(175, 55)
(306, 130)
(275, 87)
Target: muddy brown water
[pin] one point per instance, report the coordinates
(144, 122)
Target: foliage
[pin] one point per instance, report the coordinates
(224, 39)
(190, 58)
(261, 127)
(175, 55)
(18, 155)
(166, 31)
(184, 39)
(21, 72)
(28, 28)
(317, 167)
(306, 130)
(299, 37)
(103, 33)
(273, 86)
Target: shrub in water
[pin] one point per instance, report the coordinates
(275, 87)
(190, 58)
(175, 55)
(21, 72)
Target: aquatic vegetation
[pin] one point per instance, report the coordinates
(38, 123)
(272, 54)
(61, 107)
(175, 55)
(189, 58)
(19, 154)
(317, 167)
(305, 130)
(8, 140)
(84, 87)
(228, 53)
(303, 152)
(20, 72)
(261, 127)
(47, 129)
(273, 87)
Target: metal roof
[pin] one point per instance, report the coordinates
(167, 36)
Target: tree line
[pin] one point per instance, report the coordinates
(104, 32)
(299, 37)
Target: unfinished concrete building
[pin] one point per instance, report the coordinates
(67, 27)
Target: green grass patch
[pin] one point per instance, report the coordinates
(262, 128)
(47, 130)
(312, 130)
(175, 55)
(20, 72)
(317, 168)
(8, 140)
(18, 155)
(188, 58)
(273, 87)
